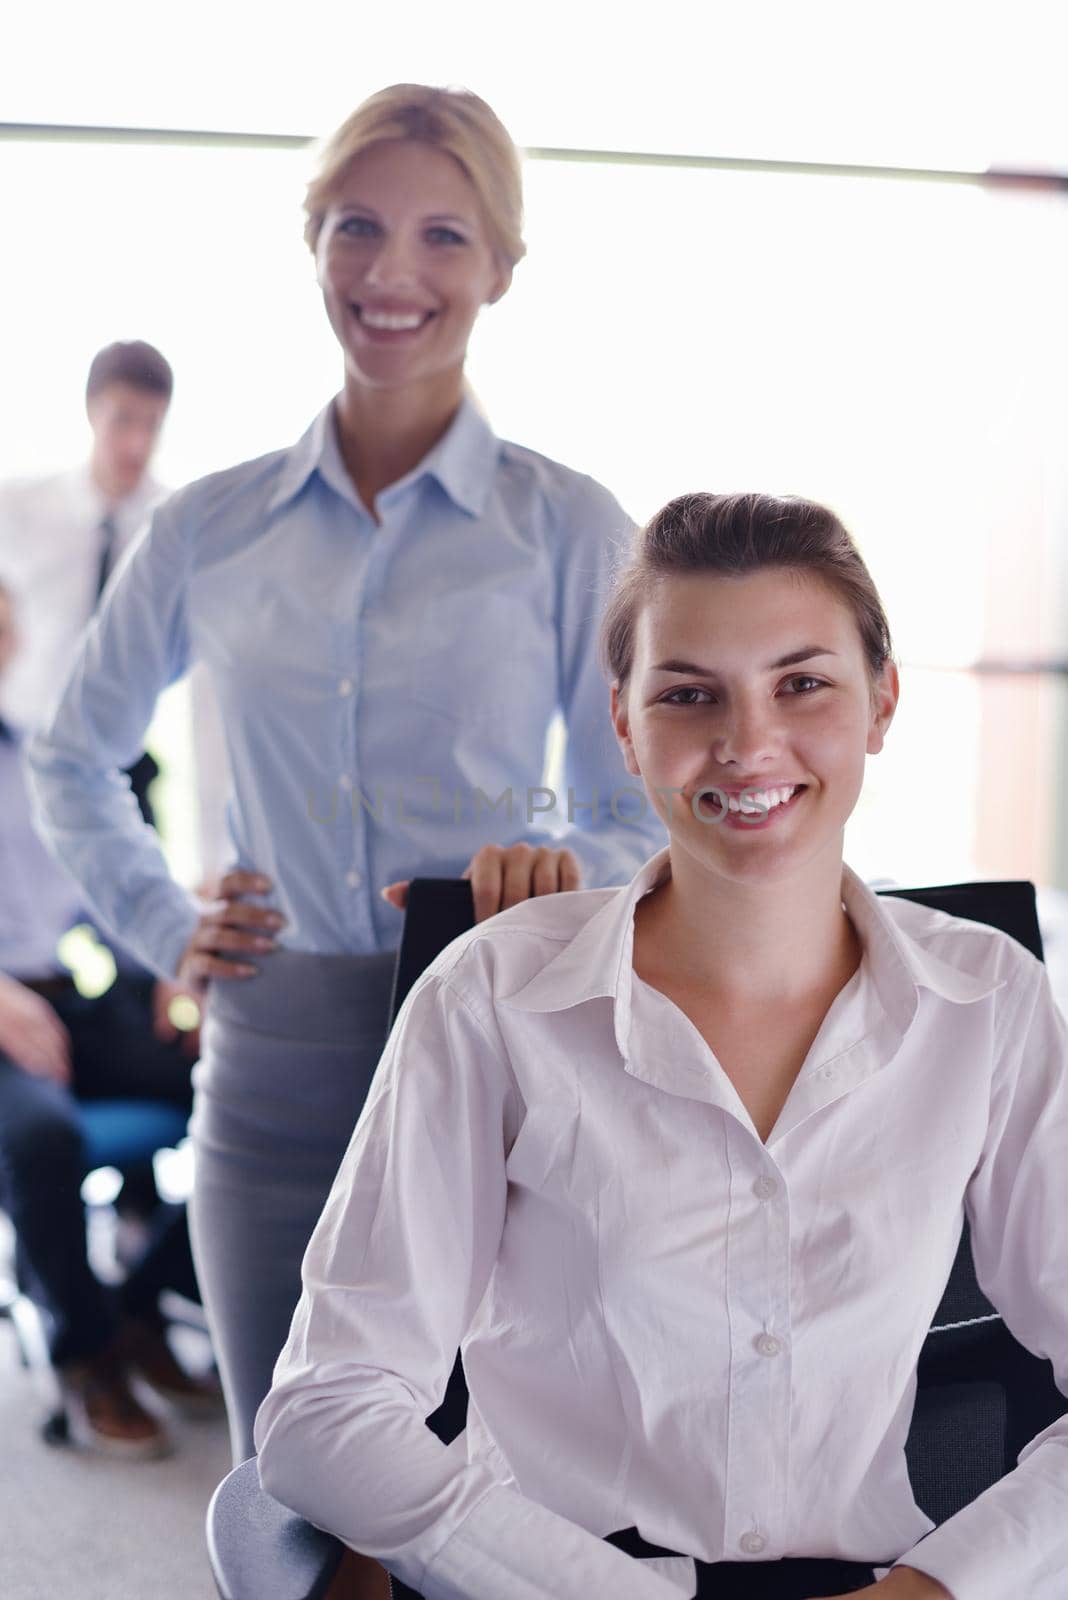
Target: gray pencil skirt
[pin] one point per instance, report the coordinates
(287, 1060)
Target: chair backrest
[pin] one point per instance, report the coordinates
(438, 911)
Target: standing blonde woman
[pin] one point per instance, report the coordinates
(392, 612)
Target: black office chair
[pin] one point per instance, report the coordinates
(981, 1396)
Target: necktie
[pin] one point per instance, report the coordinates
(108, 533)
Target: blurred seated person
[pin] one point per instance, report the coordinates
(58, 1047)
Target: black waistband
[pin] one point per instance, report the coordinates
(794, 1578)
(52, 984)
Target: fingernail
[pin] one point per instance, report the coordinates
(264, 944)
(247, 972)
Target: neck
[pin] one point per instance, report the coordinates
(104, 482)
(384, 433)
(748, 943)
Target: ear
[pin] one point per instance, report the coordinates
(884, 698)
(621, 723)
(502, 282)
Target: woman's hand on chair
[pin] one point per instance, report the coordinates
(503, 875)
(230, 929)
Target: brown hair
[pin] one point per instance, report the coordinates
(454, 120)
(736, 534)
(136, 363)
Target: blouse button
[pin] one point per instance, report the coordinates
(345, 686)
(768, 1345)
(764, 1188)
(353, 879)
(752, 1543)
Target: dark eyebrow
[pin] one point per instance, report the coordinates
(795, 657)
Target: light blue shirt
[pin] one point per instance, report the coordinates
(386, 690)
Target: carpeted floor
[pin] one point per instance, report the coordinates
(76, 1527)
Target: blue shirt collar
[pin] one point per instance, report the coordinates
(463, 461)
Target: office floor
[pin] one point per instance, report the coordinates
(76, 1527)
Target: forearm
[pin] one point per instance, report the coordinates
(91, 823)
(377, 1478)
(908, 1583)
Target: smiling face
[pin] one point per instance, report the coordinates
(405, 264)
(755, 687)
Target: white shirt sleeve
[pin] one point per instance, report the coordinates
(394, 1272)
(1017, 1207)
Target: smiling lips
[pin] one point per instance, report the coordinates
(749, 806)
(382, 321)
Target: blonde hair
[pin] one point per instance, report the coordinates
(453, 120)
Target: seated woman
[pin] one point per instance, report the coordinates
(683, 1166)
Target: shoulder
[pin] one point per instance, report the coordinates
(234, 489)
(29, 497)
(972, 948)
(42, 521)
(494, 960)
(573, 502)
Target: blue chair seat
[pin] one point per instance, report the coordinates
(119, 1133)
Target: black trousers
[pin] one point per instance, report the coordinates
(115, 1055)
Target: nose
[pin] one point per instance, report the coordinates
(748, 735)
(393, 265)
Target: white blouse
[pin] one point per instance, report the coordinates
(666, 1322)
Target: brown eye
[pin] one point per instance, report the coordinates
(688, 697)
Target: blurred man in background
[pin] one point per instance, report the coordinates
(61, 537)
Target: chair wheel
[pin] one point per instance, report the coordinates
(55, 1430)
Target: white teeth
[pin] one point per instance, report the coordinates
(394, 322)
(760, 800)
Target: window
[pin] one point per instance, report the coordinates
(894, 346)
